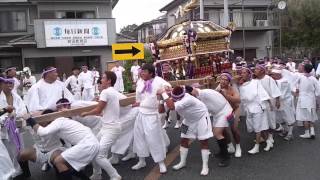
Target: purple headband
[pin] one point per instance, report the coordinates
(8, 80)
(178, 97)
(227, 75)
(248, 69)
(10, 69)
(47, 71)
(65, 103)
(261, 66)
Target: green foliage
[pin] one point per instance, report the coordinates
(304, 22)
(147, 55)
(127, 76)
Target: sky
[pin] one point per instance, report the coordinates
(137, 11)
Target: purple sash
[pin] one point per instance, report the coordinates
(147, 86)
(13, 131)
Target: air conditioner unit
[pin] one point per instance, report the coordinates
(262, 23)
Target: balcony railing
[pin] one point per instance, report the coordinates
(247, 19)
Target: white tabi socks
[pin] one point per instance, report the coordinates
(255, 149)
(162, 167)
(205, 158)
(129, 156)
(178, 124)
(183, 158)
(114, 159)
(140, 164)
(312, 133)
(306, 134)
(231, 149)
(238, 152)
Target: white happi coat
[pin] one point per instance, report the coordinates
(135, 73)
(85, 144)
(6, 167)
(20, 110)
(32, 80)
(86, 81)
(43, 95)
(306, 105)
(286, 111)
(16, 85)
(74, 83)
(273, 91)
(119, 83)
(148, 137)
(196, 117)
(217, 105)
(253, 95)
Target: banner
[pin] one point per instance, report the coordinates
(76, 33)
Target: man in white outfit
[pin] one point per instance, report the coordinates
(196, 125)
(74, 83)
(148, 138)
(291, 65)
(47, 91)
(12, 73)
(86, 80)
(118, 70)
(274, 93)
(111, 125)
(135, 72)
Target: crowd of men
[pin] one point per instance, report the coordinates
(271, 95)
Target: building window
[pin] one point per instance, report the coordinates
(13, 21)
(67, 15)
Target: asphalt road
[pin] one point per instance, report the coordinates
(295, 160)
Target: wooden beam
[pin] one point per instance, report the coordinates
(124, 102)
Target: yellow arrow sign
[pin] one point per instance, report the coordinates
(128, 51)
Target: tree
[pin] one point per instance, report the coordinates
(303, 25)
(129, 30)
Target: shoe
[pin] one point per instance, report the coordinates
(117, 177)
(305, 136)
(255, 149)
(114, 159)
(129, 156)
(269, 146)
(162, 167)
(183, 158)
(45, 167)
(96, 177)
(288, 138)
(139, 165)
(238, 152)
(205, 153)
(231, 148)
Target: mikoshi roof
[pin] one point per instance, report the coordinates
(211, 38)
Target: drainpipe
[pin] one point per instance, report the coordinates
(201, 10)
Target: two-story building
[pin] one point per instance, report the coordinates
(153, 28)
(256, 23)
(60, 33)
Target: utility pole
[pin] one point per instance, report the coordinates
(243, 32)
(201, 10)
(225, 13)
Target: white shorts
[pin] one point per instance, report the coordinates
(200, 130)
(271, 117)
(44, 157)
(80, 155)
(304, 114)
(257, 122)
(285, 116)
(221, 119)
